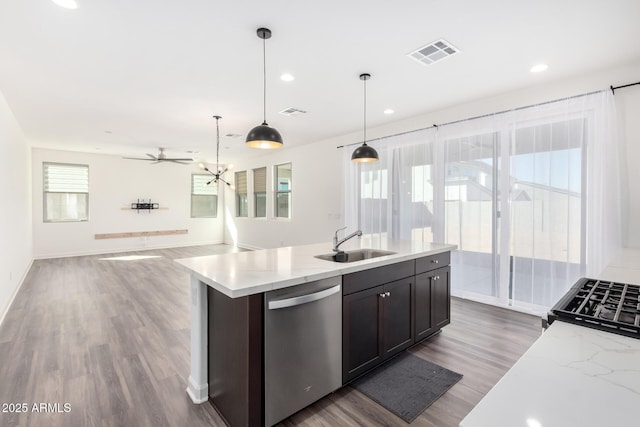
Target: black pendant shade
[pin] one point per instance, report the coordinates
(264, 136)
(365, 153)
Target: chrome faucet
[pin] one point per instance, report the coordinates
(337, 242)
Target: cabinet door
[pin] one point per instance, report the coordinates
(397, 317)
(422, 306)
(440, 297)
(361, 338)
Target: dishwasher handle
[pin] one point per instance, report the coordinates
(302, 299)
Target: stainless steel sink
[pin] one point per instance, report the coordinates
(355, 255)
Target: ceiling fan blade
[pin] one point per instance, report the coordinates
(152, 156)
(176, 161)
(173, 159)
(136, 158)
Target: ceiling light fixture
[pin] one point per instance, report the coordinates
(539, 68)
(264, 136)
(388, 111)
(67, 4)
(218, 174)
(286, 77)
(365, 153)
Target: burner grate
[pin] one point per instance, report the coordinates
(601, 304)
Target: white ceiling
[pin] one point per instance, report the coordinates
(127, 77)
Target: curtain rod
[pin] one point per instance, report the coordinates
(613, 89)
(491, 114)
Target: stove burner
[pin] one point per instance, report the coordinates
(600, 304)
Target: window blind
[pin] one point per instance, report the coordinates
(66, 178)
(199, 185)
(260, 180)
(241, 182)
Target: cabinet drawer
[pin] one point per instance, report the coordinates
(432, 262)
(366, 279)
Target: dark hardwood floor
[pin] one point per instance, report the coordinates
(110, 338)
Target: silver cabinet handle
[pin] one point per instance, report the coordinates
(303, 299)
(388, 294)
(436, 277)
(435, 261)
(382, 295)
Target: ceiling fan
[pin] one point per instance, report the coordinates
(162, 157)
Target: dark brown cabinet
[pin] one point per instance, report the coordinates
(361, 337)
(431, 302)
(377, 316)
(440, 298)
(377, 323)
(388, 309)
(431, 298)
(397, 317)
(422, 307)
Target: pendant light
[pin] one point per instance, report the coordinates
(364, 153)
(264, 136)
(219, 173)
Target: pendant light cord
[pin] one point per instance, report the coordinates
(217, 146)
(264, 81)
(365, 111)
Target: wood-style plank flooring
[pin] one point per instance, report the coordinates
(110, 338)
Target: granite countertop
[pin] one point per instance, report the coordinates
(247, 273)
(571, 376)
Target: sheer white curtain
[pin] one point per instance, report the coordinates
(530, 197)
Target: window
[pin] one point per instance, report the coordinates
(241, 194)
(260, 192)
(283, 191)
(373, 184)
(204, 198)
(66, 192)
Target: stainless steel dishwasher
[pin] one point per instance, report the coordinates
(303, 346)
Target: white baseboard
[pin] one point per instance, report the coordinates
(249, 247)
(199, 393)
(15, 292)
(121, 250)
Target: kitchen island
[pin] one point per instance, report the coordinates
(228, 302)
(571, 376)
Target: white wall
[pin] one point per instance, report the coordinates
(15, 212)
(317, 167)
(316, 188)
(114, 183)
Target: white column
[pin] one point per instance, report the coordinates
(198, 388)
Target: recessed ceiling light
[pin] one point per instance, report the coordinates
(538, 68)
(286, 77)
(389, 111)
(532, 422)
(67, 4)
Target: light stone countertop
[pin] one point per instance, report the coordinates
(572, 375)
(247, 273)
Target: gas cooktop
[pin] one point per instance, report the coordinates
(601, 304)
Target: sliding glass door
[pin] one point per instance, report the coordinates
(469, 205)
(509, 190)
(547, 212)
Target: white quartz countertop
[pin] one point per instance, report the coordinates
(246, 273)
(572, 375)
